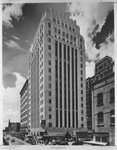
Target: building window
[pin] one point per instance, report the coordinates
(97, 138)
(81, 65)
(59, 31)
(55, 29)
(58, 21)
(49, 78)
(82, 105)
(49, 54)
(100, 118)
(49, 70)
(62, 24)
(50, 108)
(81, 78)
(54, 20)
(104, 139)
(81, 111)
(50, 93)
(81, 91)
(50, 86)
(112, 93)
(81, 85)
(50, 101)
(49, 32)
(67, 35)
(81, 118)
(49, 25)
(66, 25)
(112, 117)
(81, 98)
(81, 72)
(50, 124)
(49, 62)
(63, 33)
(81, 58)
(82, 125)
(81, 52)
(49, 47)
(49, 39)
(50, 116)
(100, 99)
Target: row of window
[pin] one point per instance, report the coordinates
(24, 119)
(64, 34)
(24, 108)
(23, 114)
(65, 25)
(100, 118)
(100, 97)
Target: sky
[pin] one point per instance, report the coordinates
(19, 24)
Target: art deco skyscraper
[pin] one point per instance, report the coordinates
(57, 93)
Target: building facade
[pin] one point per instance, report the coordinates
(57, 88)
(24, 106)
(103, 106)
(13, 126)
(89, 83)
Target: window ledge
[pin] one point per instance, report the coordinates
(112, 124)
(100, 125)
(112, 101)
(100, 105)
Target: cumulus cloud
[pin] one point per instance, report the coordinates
(11, 11)
(90, 68)
(12, 94)
(93, 20)
(11, 100)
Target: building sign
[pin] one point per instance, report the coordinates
(99, 85)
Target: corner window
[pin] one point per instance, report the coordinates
(100, 118)
(100, 99)
(112, 98)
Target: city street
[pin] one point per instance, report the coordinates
(17, 141)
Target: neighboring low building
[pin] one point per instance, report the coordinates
(14, 126)
(103, 104)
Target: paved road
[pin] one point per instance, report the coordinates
(17, 141)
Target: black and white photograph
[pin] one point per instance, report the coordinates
(58, 74)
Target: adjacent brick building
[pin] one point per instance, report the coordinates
(100, 94)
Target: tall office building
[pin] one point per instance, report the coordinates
(57, 94)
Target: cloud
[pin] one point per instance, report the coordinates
(13, 45)
(11, 11)
(90, 67)
(17, 38)
(12, 94)
(107, 29)
(11, 100)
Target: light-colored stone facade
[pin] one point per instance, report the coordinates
(57, 77)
